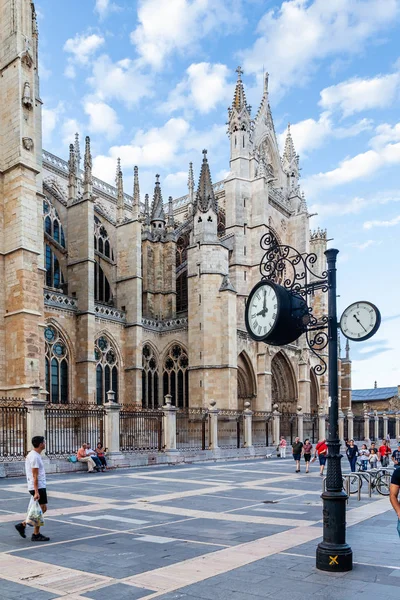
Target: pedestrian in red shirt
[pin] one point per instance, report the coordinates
(321, 450)
(384, 451)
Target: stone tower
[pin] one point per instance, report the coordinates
(21, 225)
(346, 379)
(211, 341)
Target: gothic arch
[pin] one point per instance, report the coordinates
(314, 393)
(115, 344)
(175, 374)
(68, 356)
(108, 367)
(284, 386)
(246, 380)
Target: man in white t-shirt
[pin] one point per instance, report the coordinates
(36, 478)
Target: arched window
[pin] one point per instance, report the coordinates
(176, 376)
(52, 223)
(54, 276)
(221, 222)
(106, 369)
(181, 249)
(56, 366)
(102, 241)
(149, 378)
(102, 289)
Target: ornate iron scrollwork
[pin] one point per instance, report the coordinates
(295, 271)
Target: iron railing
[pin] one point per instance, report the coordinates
(310, 427)
(358, 428)
(392, 427)
(230, 428)
(192, 429)
(261, 428)
(140, 430)
(13, 442)
(70, 425)
(288, 426)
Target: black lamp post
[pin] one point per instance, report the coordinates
(333, 553)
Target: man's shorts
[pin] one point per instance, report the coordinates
(296, 456)
(322, 459)
(42, 495)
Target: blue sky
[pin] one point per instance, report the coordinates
(150, 82)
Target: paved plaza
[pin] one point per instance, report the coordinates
(210, 531)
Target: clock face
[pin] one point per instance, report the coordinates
(262, 310)
(360, 321)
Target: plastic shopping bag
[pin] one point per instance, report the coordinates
(34, 515)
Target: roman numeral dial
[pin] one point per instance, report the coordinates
(262, 311)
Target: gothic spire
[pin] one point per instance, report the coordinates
(136, 193)
(157, 212)
(77, 162)
(290, 160)
(87, 178)
(170, 223)
(205, 199)
(239, 97)
(347, 349)
(146, 211)
(71, 174)
(191, 189)
(120, 192)
(289, 152)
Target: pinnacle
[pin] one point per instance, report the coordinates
(239, 98)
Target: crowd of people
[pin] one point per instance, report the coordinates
(95, 459)
(372, 457)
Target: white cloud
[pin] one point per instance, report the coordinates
(385, 134)
(295, 38)
(351, 169)
(121, 81)
(102, 119)
(311, 134)
(204, 86)
(83, 46)
(50, 118)
(357, 94)
(334, 209)
(70, 71)
(68, 130)
(104, 7)
(176, 182)
(390, 223)
(364, 245)
(177, 25)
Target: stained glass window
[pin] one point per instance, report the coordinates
(106, 369)
(56, 366)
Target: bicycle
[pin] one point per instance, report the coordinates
(378, 478)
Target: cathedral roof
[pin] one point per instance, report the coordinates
(205, 198)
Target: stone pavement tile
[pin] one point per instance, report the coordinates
(205, 502)
(9, 590)
(119, 591)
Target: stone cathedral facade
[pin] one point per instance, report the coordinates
(105, 290)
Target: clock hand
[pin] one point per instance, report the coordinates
(359, 322)
(265, 301)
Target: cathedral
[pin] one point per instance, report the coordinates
(103, 289)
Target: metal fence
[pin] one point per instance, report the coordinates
(392, 427)
(358, 428)
(310, 427)
(230, 429)
(70, 425)
(288, 425)
(13, 443)
(192, 429)
(140, 430)
(261, 428)
(372, 430)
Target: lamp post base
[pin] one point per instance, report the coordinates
(336, 558)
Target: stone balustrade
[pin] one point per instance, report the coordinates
(60, 300)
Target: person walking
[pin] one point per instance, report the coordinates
(321, 450)
(282, 447)
(36, 479)
(383, 453)
(394, 495)
(352, 453)
(307, 449)
(364, 456)
(297, 449)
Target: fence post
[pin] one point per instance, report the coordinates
(398, 425)
(111, 429)
(169, 425)
(247, 426)
(213, 426)
(385, 425)
(35, 417)
(376, 426)
(341, 426)
(366, 425)
(300, 423)
(321, 424)
(276, 425)
(350, 424)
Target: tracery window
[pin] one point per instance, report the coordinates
(149, 378)
(181, 249)
(102, 242)
(182, 292)
(102, 289)
(54, 276)
(221, 222)
(106, 369)
(56, 366)
(176, 376)
(52, 223)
